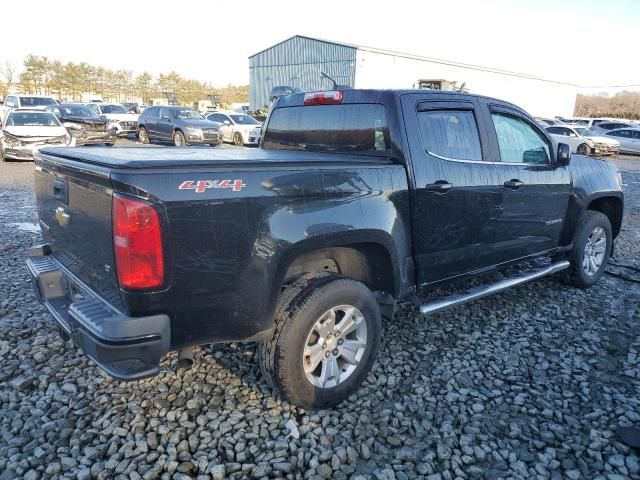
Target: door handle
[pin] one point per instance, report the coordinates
(513, 184)
(441, 186)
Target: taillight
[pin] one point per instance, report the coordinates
(137, 243)
(323, 98)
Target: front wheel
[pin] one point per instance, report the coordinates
(237, 139)
(325, 339)
(583, 149)
(591, 250)
(178, 139)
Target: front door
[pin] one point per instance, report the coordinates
(534, 189)
(457, 195)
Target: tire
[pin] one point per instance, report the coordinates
(2, 159)
(109, 144)
(214, 144)
(591, 226)
(178, 139)
(143, 136)
(583, 149)
(301, 308)
(237, 139)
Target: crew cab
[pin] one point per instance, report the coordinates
(355, 200)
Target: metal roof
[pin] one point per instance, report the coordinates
(420, 57)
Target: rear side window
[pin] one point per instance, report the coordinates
(451, 134)
(329, 128)
(519, 142)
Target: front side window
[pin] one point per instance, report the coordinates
(329, 128)
(555, 130)
(518, 141)
(95, 108)
(452, 134)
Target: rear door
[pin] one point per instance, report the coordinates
(534, 189)
(164, 126)
(457, 194)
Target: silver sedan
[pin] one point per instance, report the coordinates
(629, 139)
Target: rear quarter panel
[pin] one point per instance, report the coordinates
(228, 250)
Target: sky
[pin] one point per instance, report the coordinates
(568, 40)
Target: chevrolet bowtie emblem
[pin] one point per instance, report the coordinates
(62, 217)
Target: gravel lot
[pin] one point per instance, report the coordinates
(528, 383)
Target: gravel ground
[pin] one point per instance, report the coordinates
(528, 383)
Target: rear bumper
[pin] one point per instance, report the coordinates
(127, 348)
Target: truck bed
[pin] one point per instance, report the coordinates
(138, 157)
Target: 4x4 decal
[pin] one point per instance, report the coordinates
(200, 186)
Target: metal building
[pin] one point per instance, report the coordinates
(300, 62)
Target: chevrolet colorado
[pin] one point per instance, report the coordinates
(355, 199)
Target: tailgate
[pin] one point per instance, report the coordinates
(74, 208)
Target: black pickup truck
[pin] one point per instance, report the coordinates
(355, 199)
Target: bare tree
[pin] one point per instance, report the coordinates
(7, 72)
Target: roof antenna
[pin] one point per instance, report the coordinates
(335, 84)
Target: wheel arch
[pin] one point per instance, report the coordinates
(611, 206)
(369, 258)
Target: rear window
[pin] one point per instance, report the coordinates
(329, 128)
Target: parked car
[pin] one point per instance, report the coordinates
(235, 127)
(25, 131)
(84, 125)
(573, 121)
(613, 125)
(307, 243)
(282, 91)
(583, 141)
(629, 139)
(180, 125)
(118, 116)
(35, 102)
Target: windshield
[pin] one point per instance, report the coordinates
(187, 114)
(244, 120)
(78, 112)
(329, 128)
(585, 132)
(113, 109)
(36, 101)
(35, 119)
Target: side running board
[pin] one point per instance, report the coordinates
(483, 291)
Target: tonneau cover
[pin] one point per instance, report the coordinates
(145, 157)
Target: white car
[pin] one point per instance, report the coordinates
(254, 135)
(583, 141)
(25, 131)
(629, 139)
(236, 127)
(118, 116)
(35, 102)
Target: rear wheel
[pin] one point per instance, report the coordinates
(324, 342)
(143, 136)
(178, 139)
(591, 250)
(237, 139)
(2, 155)
(583, 149)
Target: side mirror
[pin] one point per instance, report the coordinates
(564, 155)
(227, 123)
(11, 104)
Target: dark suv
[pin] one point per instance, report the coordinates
(180, 125)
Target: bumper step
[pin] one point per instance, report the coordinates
(486, 290)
